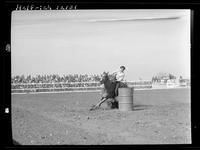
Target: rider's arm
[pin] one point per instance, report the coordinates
(115, 72)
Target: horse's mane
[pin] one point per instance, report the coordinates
(112, 78)
(109, 86)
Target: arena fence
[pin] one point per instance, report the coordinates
(73, 86)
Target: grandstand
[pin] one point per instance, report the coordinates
(55, 83)
(74, 86)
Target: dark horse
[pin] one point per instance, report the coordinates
(108, 91)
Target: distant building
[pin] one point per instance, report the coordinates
(164, 80)
(184, 82)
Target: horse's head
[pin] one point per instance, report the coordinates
(109, 85)
(104, 77)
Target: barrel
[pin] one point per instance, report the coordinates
(125, 99)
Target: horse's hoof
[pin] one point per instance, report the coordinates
(92, 107)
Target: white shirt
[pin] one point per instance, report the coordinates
(119, 75)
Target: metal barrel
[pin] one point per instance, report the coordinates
(125, 99)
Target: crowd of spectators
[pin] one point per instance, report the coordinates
(65, 82)
(55, 78)
(54, 81)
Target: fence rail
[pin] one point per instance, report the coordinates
(49, 87)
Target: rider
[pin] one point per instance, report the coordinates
(119, 77)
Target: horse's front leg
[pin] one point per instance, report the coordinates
(99, 103)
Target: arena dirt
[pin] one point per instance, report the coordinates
(50, 122)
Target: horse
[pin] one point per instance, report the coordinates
(108, 92)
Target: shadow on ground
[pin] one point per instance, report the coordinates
(141, 107)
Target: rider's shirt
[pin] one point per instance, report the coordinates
(119, 75)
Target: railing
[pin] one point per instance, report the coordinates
(74, 86)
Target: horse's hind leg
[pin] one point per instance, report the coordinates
(115, 104)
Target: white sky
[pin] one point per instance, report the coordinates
(93, 41)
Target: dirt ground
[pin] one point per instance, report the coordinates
(159, 117)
